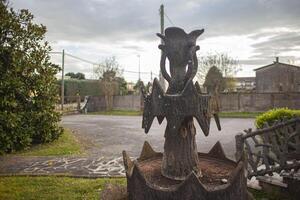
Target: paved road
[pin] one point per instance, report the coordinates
(112, 134)
(105, 138)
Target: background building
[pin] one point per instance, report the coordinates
(278, 77)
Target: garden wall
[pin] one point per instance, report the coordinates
(127, 102)
(243, 102)
(251, 102)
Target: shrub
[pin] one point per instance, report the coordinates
(28, 89)
(273, 115)
(81, 87)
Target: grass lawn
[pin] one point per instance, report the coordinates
(261, 195)
(138, 113)
(66, 144)
(239, 114)
(53, 187)
(66, 188)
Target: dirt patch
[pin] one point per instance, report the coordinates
(152, 171)
(213, 171)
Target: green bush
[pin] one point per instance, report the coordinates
(90, 87)
(81, 87)
(273, 115)
(28, 89)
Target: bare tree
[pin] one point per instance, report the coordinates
(108, 72)
(226, 64)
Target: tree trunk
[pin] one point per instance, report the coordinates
(180, 156)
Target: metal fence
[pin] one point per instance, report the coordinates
(271, 149)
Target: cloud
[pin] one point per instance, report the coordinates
(250, 30)
(279, 45)
(227, 17)
(283, 40)
(103, 21)
(256, 62)
(135, 19)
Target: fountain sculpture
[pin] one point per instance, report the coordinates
(180, 172)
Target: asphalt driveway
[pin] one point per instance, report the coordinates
(108, 136)
(105, 137)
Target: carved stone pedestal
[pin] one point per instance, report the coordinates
(222, 179)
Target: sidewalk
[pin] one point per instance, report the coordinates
(90, 167)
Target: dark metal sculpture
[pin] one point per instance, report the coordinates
(180, 104)
(180, 172)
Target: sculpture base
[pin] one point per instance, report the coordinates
(215, 172)
(222, 179)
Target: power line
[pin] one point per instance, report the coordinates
(81, 59)
(136, 72)
(75, 57)
(140, 72)
(168, 18)
(93, 63)
(55, 52)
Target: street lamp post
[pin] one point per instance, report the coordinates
(139, 56)
(62, 80)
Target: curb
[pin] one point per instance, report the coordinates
(93, 176)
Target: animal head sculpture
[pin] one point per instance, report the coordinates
(180, 49)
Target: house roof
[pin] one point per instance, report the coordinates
(275, 63)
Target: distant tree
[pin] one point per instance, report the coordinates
(214, 84)
(122, 86)
(71, 74)
(108, 73)
(108, 69)
(78, 75)
(214, 81)
(139, 86)
(227, 65)
(28, 89)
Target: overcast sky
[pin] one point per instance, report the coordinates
(252, 31)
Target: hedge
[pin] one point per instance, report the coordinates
(273, 115)
(81, 87)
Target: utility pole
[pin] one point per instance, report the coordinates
(62, 80)
(162, 22)
(162, 30)
(151, 76)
